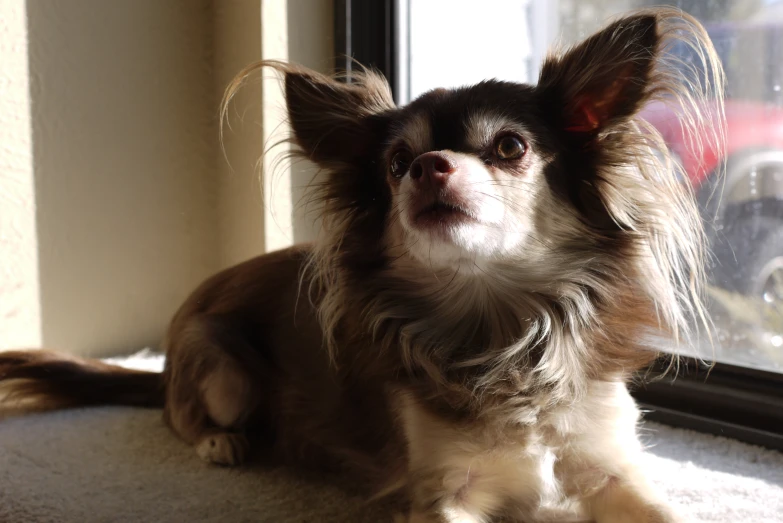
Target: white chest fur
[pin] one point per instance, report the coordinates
(475, 471)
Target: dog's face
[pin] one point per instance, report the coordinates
(465, 171)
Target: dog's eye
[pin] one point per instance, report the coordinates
(510, 148)
(399, 163)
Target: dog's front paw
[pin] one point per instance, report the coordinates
(223, 448)
(623, 501)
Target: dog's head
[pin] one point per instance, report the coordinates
(497, 171)
(550, 189)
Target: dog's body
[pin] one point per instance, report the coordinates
(494, 265)
(504, 453)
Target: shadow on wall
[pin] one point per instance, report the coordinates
(311, 43)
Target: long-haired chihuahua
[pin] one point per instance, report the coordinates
(495, 264)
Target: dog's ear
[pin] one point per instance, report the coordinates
(333, 121)
(604, 79)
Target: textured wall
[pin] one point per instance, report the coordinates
(124, 134)
(19, 311)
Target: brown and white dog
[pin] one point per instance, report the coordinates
(496, 262)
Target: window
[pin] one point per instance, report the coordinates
(444, 43)
(456, 43)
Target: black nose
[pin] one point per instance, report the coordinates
(432, 167)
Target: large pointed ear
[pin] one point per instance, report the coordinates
(334, 121)
(604, 79)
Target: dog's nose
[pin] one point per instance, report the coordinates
(432, 167)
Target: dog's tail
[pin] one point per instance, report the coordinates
(34, 380)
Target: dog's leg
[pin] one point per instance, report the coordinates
(210, 390)
(603, 465)
(614, 489)
(227, 395)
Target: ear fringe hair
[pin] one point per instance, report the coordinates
(321, 272)
(695, 91)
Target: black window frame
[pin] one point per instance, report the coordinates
(364, 33)
(722, 399)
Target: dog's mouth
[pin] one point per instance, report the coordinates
(442, 213)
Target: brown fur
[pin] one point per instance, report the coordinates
(46, 380)
(480, 385)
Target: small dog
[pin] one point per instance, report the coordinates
(496, 262)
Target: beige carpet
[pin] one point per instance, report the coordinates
(122, 465)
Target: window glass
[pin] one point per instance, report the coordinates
(458, 42)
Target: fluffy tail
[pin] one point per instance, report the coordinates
(43, 380)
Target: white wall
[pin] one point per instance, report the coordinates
(19, 309)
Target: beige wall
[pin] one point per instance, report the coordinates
(240, 206)
(256, 213)
(123, 140)
(134, 201)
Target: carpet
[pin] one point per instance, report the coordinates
(123, 465)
